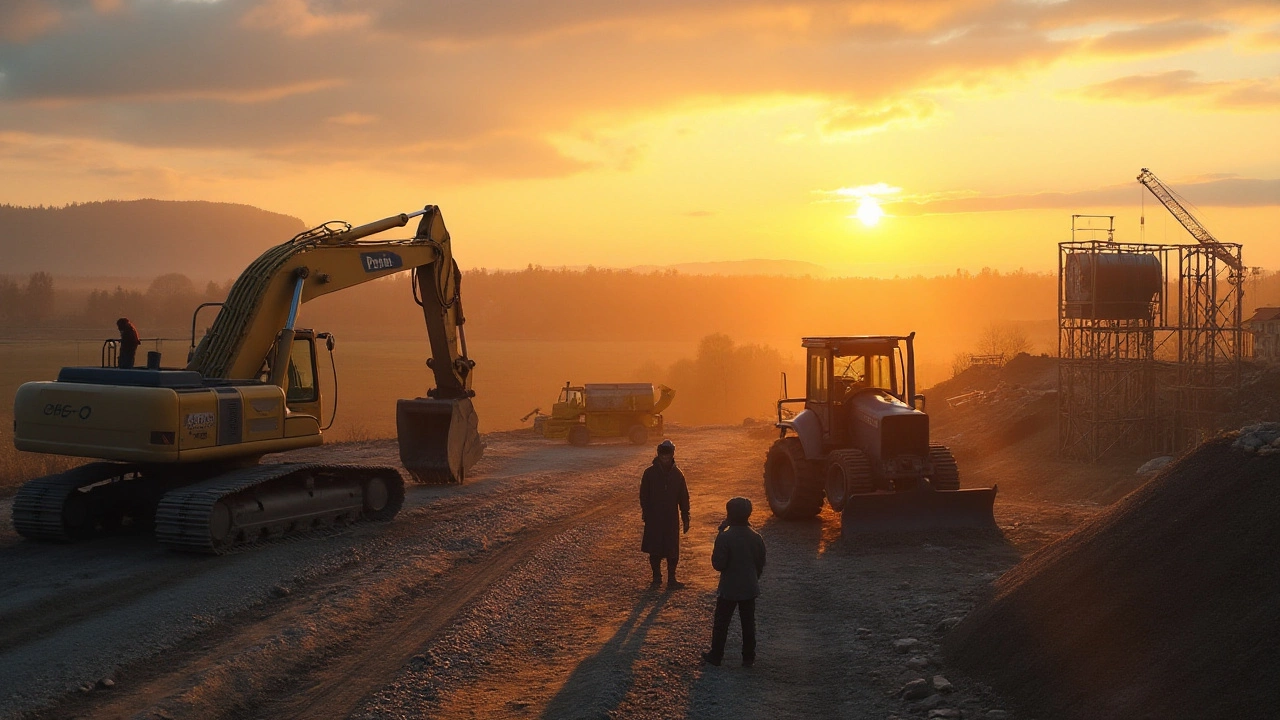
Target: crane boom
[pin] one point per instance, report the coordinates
(1184, 216)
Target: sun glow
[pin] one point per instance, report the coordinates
(869, 211)
(868, 198)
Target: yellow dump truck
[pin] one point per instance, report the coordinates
(583, 413)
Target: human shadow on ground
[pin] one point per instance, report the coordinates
(602, 680)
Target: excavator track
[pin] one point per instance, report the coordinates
(268, 501)
(60, 508)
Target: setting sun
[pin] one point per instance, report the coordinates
(869, 211)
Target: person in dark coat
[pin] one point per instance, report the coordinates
(664, 502)
(129, 342)
(739, 556)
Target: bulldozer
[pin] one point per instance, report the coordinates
(582, 413)
(862, 443)
(178, 448)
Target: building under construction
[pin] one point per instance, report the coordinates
(1150, 341)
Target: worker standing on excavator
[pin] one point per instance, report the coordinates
(129, 342)
(663, 493)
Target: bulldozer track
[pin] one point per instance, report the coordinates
(183, 515)
(946, 474)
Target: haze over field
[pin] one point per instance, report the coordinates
(870, 137)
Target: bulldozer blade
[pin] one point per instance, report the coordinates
(919, 511)
(439, 439)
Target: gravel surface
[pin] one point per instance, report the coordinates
(520, 594)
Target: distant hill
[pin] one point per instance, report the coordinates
(139, 238)
(786, 268)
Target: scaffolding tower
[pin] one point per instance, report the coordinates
(1150, 344)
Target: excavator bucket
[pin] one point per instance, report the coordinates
(439, 439)
(919, 511)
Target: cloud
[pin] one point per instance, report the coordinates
(24, 20)
(864, 120)
(1266, 41)
(1158, 38)
(236, 96)
(1186, 86)
(879, 191)
(298, 80)
(352, 119)
(1208, 192)
(297, 18)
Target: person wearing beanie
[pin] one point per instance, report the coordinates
(739, 557)
(664, 501)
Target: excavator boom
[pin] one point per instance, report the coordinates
(438, 434)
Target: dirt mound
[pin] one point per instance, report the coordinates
(1165, 605)
(1034, 372)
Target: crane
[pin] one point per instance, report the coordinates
(1193, 226)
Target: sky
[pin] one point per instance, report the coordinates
(878, 138)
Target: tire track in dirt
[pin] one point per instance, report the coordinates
(29, 624)
(346, 666)
(335, 692)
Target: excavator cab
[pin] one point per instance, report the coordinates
(303, 395)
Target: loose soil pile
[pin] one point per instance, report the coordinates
(1002, 425)
(1166, 605)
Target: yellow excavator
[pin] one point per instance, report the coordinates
(180, 447)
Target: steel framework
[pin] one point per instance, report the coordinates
(1153, 375)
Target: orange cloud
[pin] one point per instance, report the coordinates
(271, 76)
(296, 18)
(1208, 192)
(352, 119)
(1185, 86)
(1156, 39)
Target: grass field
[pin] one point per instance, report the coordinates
(512, 378)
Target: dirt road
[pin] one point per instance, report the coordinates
(520, 594)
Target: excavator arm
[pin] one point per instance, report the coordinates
(438, 435)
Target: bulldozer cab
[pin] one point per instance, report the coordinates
(839, 368)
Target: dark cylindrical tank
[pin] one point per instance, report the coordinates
(1111, 285)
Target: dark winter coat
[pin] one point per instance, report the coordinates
(664, 501)
(739, 556)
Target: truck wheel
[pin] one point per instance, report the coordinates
(946, 474)
(848, 473)
(791, 483)
(638, 435)
(579, 435)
